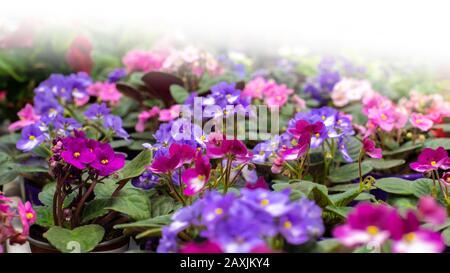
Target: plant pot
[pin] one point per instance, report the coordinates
(116, 245)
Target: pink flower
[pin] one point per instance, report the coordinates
(298, 150)
(277, 166)
(170, 114)
(178, 155)
(79, 54)
(144, 116)
(196, 178)
(27, 216)
(255, 88)
(277, 100)
(370, 149)
(421, 121)
(445, 179)
(431, 211)
(145, 61)
(276, 95)
(218, 148)
(27, 117)
(385, 118)
(105, 92)
(259, 184)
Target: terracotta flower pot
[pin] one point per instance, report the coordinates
(116, 245)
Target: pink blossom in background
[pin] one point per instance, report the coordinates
(144, 116)
(105, 92)
(27, 216)
(79, 54)
(169, 114)
(27, 117)
(2, 95)
(145, 61)
(299, 102)
(431, 211)
(421, 121)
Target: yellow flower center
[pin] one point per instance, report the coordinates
(409, 237)
(383, 117)
(31, 138)
(225, 112)
(372, 230)
(287, 224)
(203, 138)
(433, 163)
(317, 135)
(261, 152)
(448, 179)
(339, 121)
(218, 211)
(264, 202)
(104, 161)
(324, 117)
(201, 177)
(29, 215)
(76, 154)
(418, 121)
(294, 142)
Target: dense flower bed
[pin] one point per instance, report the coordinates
(191, 152)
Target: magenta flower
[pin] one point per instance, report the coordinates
(204, 247)
(145, 61)
(77, 153)
(178, 155)
(27, 216)
(415, 239)
(27, 116)
(430, 211)
(144, 116)
(196, 178)
(430, 160)
(421, 121)
(107, 161)
(370, 149)
(368, 224)
(255, 88)
(259, 184)
(105, 92)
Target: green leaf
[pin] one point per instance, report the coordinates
(136, 205)
(83, 239)
(157, 221)
(353, 149)
(136, 166)
(444, 127)
(383, 164)
(342, 199)
(31, 169)
(340, 211)
(395, 185)
(437, 142)
(179, 93)
(95, 208)
(44, 216)
(349, 172)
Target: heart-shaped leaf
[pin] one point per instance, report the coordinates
(384, 164)
(349, 172)
(81, 239)
(395, 185)
(178, 93)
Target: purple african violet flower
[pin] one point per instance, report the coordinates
(197, 177)
(301, 127)
(107, 161)
(302, 222)
(168, 242)
(31, 137)
(117, 74)
(225, 94)
(274, 203)
(298, 150)
(145, 181)
(430, 160)
(370, 149)
(115, 124)
(97, 111)
(76, 153)
(369, 224)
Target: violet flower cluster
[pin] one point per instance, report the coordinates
(244, 223)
